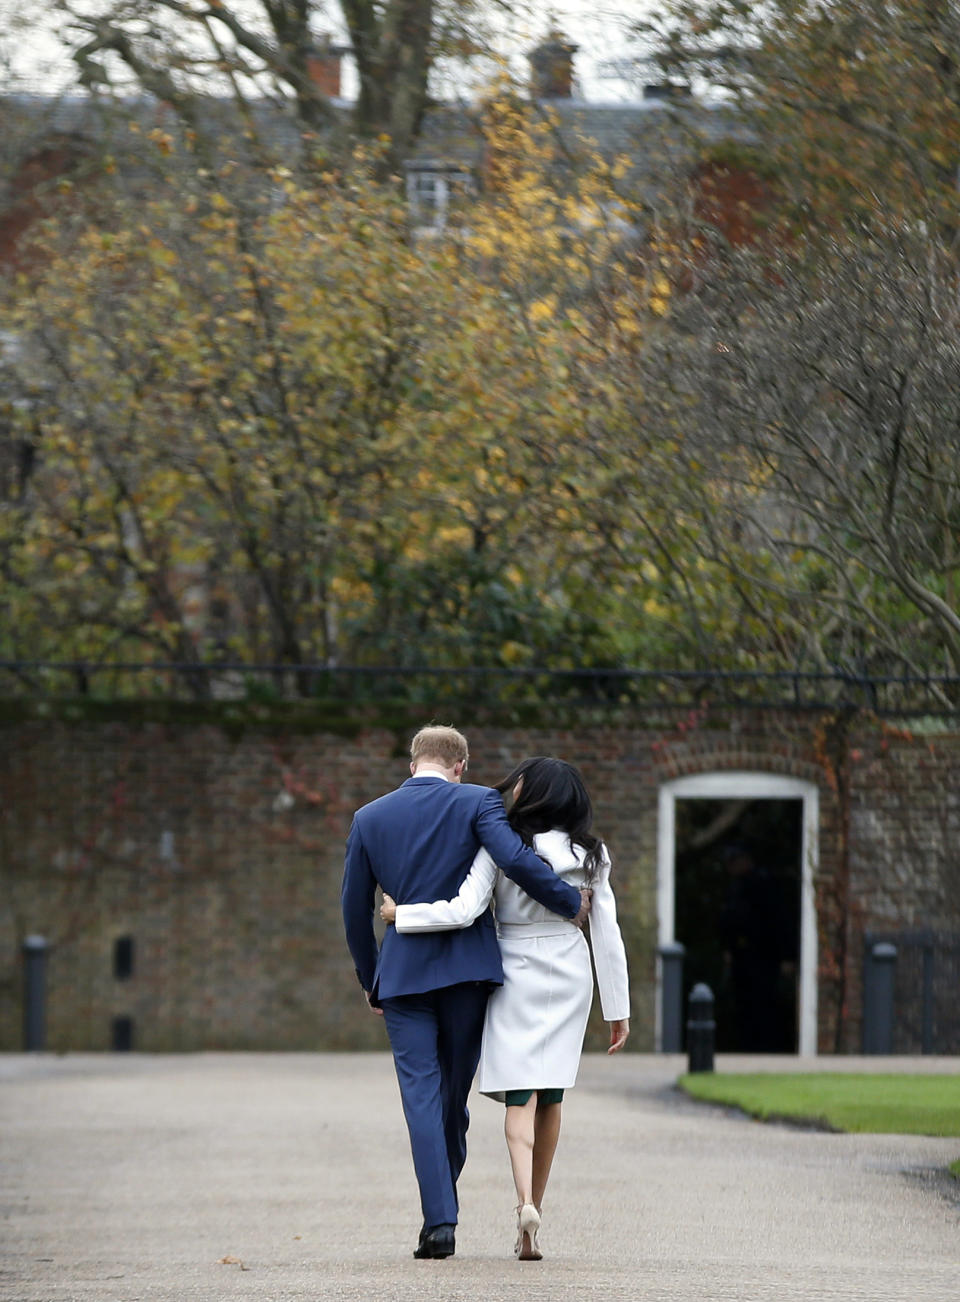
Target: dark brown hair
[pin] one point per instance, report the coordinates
(553, 795)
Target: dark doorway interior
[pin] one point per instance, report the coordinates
(738, 915)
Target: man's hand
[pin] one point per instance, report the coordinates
(585, 898)
(378, 1011)
(618, 1035)
(388, 909)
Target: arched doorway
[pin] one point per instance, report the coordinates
(707, 823)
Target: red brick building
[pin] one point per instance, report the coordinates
(186, 873)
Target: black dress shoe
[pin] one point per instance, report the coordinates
(426, 1229)
(437, 1242)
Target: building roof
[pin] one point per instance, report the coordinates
(450, 132)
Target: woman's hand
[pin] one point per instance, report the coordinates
(388, 909)
(618, 1035)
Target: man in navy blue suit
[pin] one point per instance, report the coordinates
(417, 843)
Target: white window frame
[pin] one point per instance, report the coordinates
(443, 174)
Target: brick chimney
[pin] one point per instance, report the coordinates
(323, 67)
(551, 67)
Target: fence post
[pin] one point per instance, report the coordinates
(878, 974)
(35, 950)
(926, 1036)
(701, 1029)
(671, 990)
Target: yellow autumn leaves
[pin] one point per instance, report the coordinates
(275, 425)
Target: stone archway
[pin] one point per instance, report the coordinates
(741, 785)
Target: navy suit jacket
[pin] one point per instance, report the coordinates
(417, 843)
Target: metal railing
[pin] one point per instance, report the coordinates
(917, 974)
(238, 681)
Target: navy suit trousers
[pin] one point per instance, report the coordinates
(435, 1038)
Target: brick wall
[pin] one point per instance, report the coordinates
(217, 847)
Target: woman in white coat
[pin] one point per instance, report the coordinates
(535, 1022)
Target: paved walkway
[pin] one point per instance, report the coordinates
(132, 1178)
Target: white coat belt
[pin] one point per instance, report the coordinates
(534, 930)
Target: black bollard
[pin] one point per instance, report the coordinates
(121, 1034)
(35, 950)
(671, 986)
(878, 990)
(701, 1029)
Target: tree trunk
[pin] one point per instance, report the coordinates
(393, 62)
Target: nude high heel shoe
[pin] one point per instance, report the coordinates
(528, 1223)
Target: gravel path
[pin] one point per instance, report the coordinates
(132, 1178)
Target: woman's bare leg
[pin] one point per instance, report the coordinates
(546, 1132)
(519, 1126)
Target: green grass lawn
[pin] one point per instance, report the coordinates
(887, 1104)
